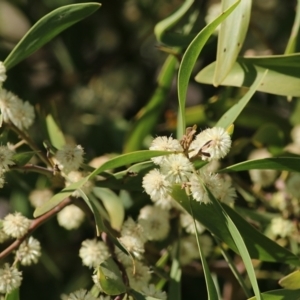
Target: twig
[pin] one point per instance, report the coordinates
(34, 225)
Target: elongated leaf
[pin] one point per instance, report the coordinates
(110, 278)
(259, 246)
(231, 37)
(231, 115)
(280, 295)
(240, 244)
(210, 286)
(283, 77)
(161, 30)
(188, 61)
(175, 275)
(291, 46)
(13, 295)
(139, 296)
(115, 162)
(56, 136)
(291, 164)
(113, 205)
(47, 28)
(23, 158)
(291, 281)
(147, 118)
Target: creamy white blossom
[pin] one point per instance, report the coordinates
(3, 236)
(211, 143)
(151, 291)
(165, 144)
(282, 227)
(262, 177)
(6, 156)
(16, 225)
(166, 202)
(2, 180)
(93, 253)
(70, 217)
(156, 185)
(69, 158)
(177, 168)
(2, 73)
(40, 196)
(226, 192)
(155, 222)
(79, 295)
(139, 276)
(29, 252)
(9, 105)
(23, 115)
(293, 184)
(187, 222)
(10, 279)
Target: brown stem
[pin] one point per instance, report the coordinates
(34, 225)
(30, 143)
(33, 168)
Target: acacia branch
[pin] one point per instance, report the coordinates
(34, 225)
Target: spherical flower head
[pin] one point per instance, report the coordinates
(165, 144)
(93, 253)
(166, 203)
(177, 168)
(131, 228)
(292, 185)
(10, 279)
(6, 156)
(9, 105)
(70, 217)
(3, 236)
(262, 177)
(29, 252)
(69, 158)
(151, 291)
(79, 295)
(2, 73)
(282, 227)
(226, 192)
(156, 185)
(139, 276)
(211, 143)
(198, 183)
(26, 115)
(187, 222)
(2, 180)
(16, 225)
(155, 222)
(39, 197)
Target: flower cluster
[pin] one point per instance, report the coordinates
(6, 160)
(177, 168)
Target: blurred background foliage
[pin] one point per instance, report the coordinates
(95, 78)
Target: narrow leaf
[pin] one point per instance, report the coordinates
(188, 61)
(231, 37)
(291, 164)
(280, 295)
(47, 28)
(283, 77)
(56, 136)
(291, 281)
(231, 115)
(174, 292)
(291, 46)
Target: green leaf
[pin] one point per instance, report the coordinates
(283, 77)
(291, 164)
(291, 46)
(13, 295)
(174, 292)
(23, 158)
(161, 30)
(231, 115)
(139, 296)
(211, 289)
(188, 61)
(231, 37)
(113, 206)
(110, 278)
(280, 295)
(93, 207)
(259, 246)
(147, 118)
(240, 244)
(291, 281)
(55, 134)
(115, 162)
(47, 28)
